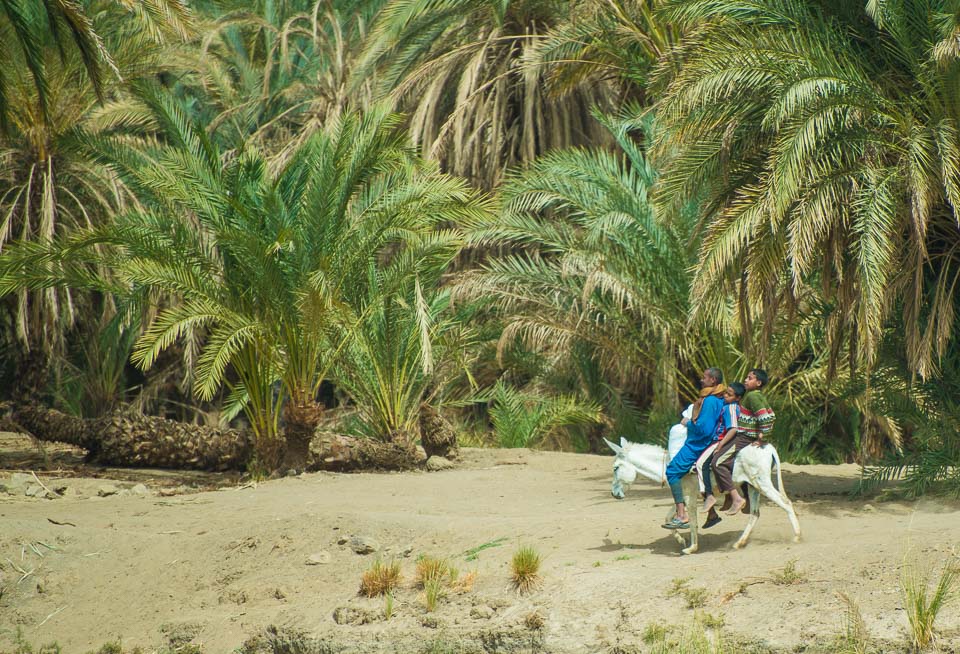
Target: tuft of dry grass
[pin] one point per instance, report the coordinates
(430, 568)
(525, 567)
(534, 621)
(465, 583)
(380, 578)
(854, 639)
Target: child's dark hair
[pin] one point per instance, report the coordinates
(738, 388)
(761, 376)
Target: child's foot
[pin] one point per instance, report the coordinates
(709, 503)
(737, 504)
(676, 523)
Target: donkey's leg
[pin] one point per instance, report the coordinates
(691, 495)
(752, 520)
(766, 487)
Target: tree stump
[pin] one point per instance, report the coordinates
(436, 434)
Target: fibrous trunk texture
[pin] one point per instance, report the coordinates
(126, 438)
(300, 425)
(436, 434)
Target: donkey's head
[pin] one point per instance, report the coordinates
(624, 472)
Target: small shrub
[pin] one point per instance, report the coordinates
(534, 621)
(380, 578)
(525, 567)
(695, 597)
(922, 607)
(789, 575)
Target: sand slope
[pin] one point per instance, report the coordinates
(220, 565)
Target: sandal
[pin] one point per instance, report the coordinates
(676, 523)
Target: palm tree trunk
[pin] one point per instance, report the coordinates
(130, 439)
(436, 434)
(301, 418)
(126, 438)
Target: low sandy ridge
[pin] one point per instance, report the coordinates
(212, 560)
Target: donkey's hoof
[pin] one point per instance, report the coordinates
(740, 544)
(797, 538)
(690, 550)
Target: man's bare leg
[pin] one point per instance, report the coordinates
(736, 502)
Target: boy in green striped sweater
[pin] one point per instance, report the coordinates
(754, 425)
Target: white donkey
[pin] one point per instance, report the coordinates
(753, 465)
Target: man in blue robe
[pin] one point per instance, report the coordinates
(701, 433)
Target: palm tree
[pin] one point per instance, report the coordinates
(402, 352)
(464, 71)
(821, 142)
(274, 74)
(604, 40)
(274, 274)
(48, 183)
(592, 273)
(35, 30)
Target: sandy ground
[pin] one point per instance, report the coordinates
(210, 560)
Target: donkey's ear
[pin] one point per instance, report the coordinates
(615, 448)
(624, 442)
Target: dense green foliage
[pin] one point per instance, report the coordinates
(547, 216)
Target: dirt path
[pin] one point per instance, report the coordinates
(218, 566)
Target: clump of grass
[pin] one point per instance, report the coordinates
(711, 621)
(432, 593)
(430, 568)
(23, 646)
(921, 605)
(534, 621)
(387, 605)
(525, 569)
(695, 597)
(788, 575)
(854, 639)
(696, 638)
(655, 632)
(380, 578)
(465, 583)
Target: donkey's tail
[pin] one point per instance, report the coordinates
(776, 462)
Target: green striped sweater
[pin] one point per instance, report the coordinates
(756, 416)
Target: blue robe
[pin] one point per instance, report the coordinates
(701, 433)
